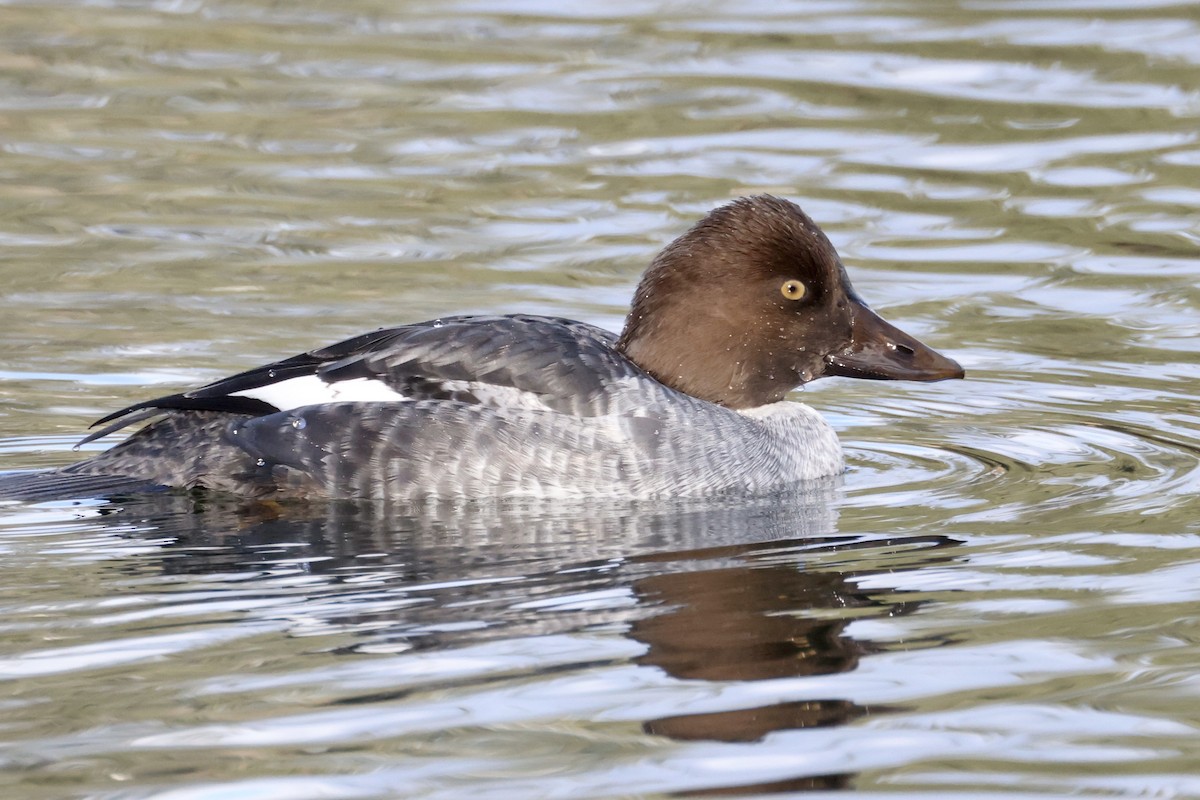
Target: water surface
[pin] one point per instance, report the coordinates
(997, 600)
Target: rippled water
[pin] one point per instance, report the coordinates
(997, 600)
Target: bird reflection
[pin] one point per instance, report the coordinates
(732, 591)
(750, 622)
(742, 624)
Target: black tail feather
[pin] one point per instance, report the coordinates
(47, 485)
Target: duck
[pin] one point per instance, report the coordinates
(689, 400)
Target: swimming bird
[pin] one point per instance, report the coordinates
(689, 400)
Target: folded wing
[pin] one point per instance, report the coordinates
(517, 361)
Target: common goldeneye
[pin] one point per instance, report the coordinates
(748, 304)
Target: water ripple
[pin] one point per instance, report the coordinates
(1003, 581)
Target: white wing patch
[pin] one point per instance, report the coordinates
(310, 390)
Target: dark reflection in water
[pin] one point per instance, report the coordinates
(746, 623)
(743, 623)
(724, 592)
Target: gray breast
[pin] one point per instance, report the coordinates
(412, 450)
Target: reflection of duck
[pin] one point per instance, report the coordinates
(748, 304)
(721, 590)
(751, 623)
(695, 620)
(448, 541)
(747, 621)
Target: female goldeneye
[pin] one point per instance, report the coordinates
(750, 303)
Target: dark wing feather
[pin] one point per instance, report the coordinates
(566, 365)
(218, 395)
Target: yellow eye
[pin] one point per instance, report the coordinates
(793, 290)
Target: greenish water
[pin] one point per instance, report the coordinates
(997, 600)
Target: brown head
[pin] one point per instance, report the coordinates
(752, 302)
